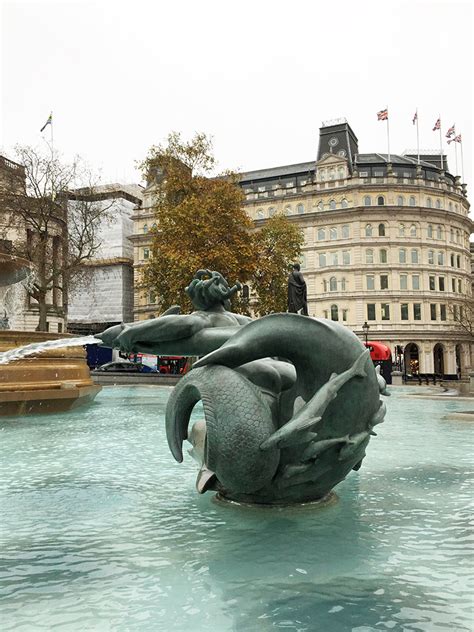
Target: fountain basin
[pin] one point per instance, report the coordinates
(53, 381)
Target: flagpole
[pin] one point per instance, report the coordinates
(456, 156)
(417, 137)
(441, 143)
(388, 137)
(462, 163)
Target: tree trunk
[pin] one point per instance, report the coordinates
(43, 313)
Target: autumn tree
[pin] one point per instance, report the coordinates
(463, 316)
(278, 245)
(200, 221)
(40, 225)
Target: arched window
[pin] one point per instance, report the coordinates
(380, 200)
(287, 210)
(439, 232)
(321, 234)
(381, 230)
(429, 203)
(322, 174)
(341, 172)
(154, 227)
(334, 259)
(146, 253)
(414, 256)
(343, 284)
(271, 211)
(322, 259)
(383, 256)
(458, 261)
(438, 203)
(345, 231)
(320, 206)
(332, 174)
(145, 228)
(334, 312)
(413, 230)
(441, 258)
(300, 208)
(368, 230)
(430, 231)
(333, 233)
(333, 284)
(452, 260)
(412, 201)
(369, 256)
(431, 256)
(402, 255)
(400, 200)
(260, 213)
(325, 285)
(344, 203)
(401, 230)
(332, 205)
(367, 201)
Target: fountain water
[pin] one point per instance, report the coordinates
(50, 372)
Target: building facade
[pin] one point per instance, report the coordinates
(386, 244)
(104, 295)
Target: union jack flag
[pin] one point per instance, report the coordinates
(458, 138)
(451, 131)
(415, 117)
(382, 115)
(437, 125)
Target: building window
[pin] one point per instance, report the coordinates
(400, 200)
(152, 297)
(271, 212)
(413, 230)
(430, 231)
(404, 311)
(322, 259)
(439, 232)
(345, 231)
(441, 258)
(401, 230)
(433, 311)
(404, 282)
(146, 253)
(402, 255)
(60, 328)
(300, 209)
(145, 229)
(384, 281)
(321, 234)
(450, 206)
(370, 280)
(458, 237)
(415, 282)
(453, 285)
(371, 311)
(346, 257)
(260, 213)
(344, 314)
(154, 226)
(383, 255)
(441, 284)
(287, 210)
(325, 285)
(333, 233)
(367, 200)
(332, 205)
(333, 284)
(380, 200)
(459, 286)
(381, 230)
(320, 206)
(245, 292)
(416, 311)
(442, 312)
(368, 230)
(334, 312)
(428, 202)
(458, 261)
(343, 284)
(369, 256)
(452, 260)
(432, 283)
(344, 203)
(438, 203)
(303, 261)
(431, 256)
(385, 311)
(412, 201)
(334, 259)
(414, 256)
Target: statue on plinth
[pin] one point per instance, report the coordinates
(297, 292)
(290, 402)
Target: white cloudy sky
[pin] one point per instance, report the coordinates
(259, 76)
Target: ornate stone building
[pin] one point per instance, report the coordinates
(386, 243)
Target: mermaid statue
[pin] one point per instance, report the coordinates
(290, 402)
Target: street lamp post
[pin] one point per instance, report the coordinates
(365, 328)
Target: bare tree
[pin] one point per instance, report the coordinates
(57, 237)
(463, 316)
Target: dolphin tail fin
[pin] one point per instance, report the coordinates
(359, 364)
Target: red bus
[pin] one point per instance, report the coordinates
(381, 356)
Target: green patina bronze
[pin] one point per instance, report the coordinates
(290, 402)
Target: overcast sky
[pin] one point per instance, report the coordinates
(259, 76)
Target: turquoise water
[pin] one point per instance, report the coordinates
(102, 530)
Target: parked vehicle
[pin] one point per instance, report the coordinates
(172, 365)
(123, 366)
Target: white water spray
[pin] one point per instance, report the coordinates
(37, 347)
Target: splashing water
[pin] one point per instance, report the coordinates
(37, 347)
